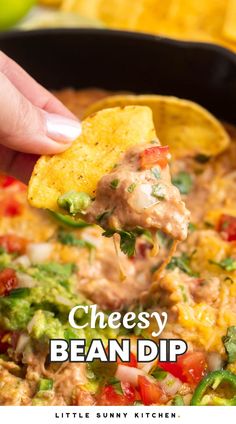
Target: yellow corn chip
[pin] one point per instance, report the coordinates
(181, 124)
(86, 8)
(105, 136)
(229, 28)
(198, 20)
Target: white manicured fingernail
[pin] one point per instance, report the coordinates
(62, 129)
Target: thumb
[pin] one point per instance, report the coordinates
(27, 128)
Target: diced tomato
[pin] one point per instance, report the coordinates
(194, 366)
(8, 281)
(227, 227)
(173, 368)
(11, 207)
(129, 391)
(8, 181)
(150, 392)
(190, 368)
(110, 397)
(131, 363)
(157, 155)
(8, 339)
(13, 243)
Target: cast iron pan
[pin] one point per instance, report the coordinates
(128, 61)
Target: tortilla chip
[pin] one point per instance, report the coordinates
(85, 8)
(114, 13)
(186, 127)
(196, 20)
(229, 27)
(105, 136)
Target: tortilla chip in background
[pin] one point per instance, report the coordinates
(87, 8)
(229, 28)
(183, 125)
(105, 136)
(198, 20)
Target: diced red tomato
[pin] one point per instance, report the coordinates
(132, 363)
(13, 243)
(11, 207)
(8, 281)
(227, 227)
(190, 368)
(110, 397)
(156, 155)
(129, 392)
(8, 181)
(8, 339)
(150, 392)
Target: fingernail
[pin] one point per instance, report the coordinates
(62, 129)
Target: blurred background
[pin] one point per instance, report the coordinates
(199, 20)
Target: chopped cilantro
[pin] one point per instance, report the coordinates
(116, 384)
(20, 292)
(183, 181)
(228, 264)
(70, 239)
(159, 374)
(230, 343)
(192, 227)
(156, 172)
(127, 239)
(131, 187)
(183, 263)
(159, 191)
(69, 333)
(54, 269)
(114, 184)
(164, 240)
(127, 242)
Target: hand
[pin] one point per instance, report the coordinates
(32, 121)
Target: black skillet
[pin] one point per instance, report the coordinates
(128, 61)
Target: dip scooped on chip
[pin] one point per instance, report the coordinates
(116, 175)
